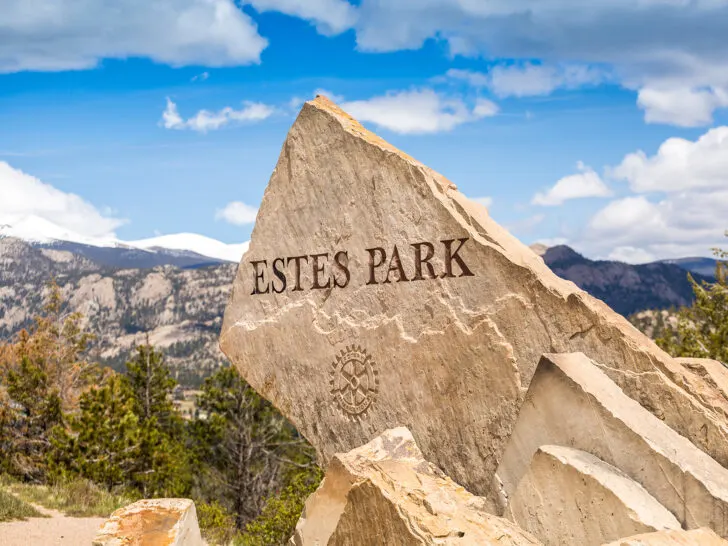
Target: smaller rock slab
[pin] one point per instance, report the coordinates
(572, 402)
(152, 522)
(696, 537)
(385, 492)
(570, 497)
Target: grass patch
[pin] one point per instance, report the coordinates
(77, 497)
(12, 508)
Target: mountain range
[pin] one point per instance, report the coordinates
(181, 249)
(174, 289)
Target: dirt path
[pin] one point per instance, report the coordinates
(56, 530)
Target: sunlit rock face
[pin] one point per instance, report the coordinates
(375, 295)
(385, 492)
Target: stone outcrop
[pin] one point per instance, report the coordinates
(152, 522)
(385, 492)
(571, 402)
(707, 380)
(696, 537)
(375, 295)
(568, 496)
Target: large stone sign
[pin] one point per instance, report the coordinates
(375, 295)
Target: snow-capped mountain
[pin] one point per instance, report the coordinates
(182, 249)
(192, 242)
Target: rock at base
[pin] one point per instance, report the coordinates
(696, 537)
(569, 497)
(385, 492)
(571, 402)
(152, 522)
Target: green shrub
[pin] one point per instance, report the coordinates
(216, 523)
(277, 521)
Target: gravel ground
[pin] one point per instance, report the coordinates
(56, 530)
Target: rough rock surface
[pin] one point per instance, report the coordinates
(386, 493)
(375, 295)
(708, 381)
(571, 402)
(569, 497)
(696, 537)
(152, 522)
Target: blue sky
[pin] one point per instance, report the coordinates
(599, 125)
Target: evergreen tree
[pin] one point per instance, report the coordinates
(103, 442)
(128, 432)
(702, 330)
(163, 465)
(249, 447)
(32, 410)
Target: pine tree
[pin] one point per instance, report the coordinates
(32, 410)
(128, 432)
(103, 441)
(702, 330)
(250, 449)
(163, 466)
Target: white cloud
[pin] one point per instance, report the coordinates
(329, 16)
(587, 183)
(525, 225)
(631, 255)
(24, 197)
(418, 111)
(473, 78)
(205, 120)
(680, 204)
(200, 77)
(529, 79)
(485, 201)
(237, 213)
(686, 107)
(69, 35)
(635, 41)
(679, 165)
(680, 224)
(533, 80)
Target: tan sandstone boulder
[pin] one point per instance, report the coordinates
(152, 522)
(571, 402)
(375, 295)
(570, 497)
(696, 537)
(386, 493)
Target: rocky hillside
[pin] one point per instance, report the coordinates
(624, 287)
(180, 309)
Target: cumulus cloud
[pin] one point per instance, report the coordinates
(237, 213)
(329, 16)
(418, 111)
(485, 201)
(678, 207)
(69, 35)
(635, 40)
(681, 106)
(586, 183)
(25, 197)
(679, 164)
(206, 120)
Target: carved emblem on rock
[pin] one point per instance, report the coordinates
(354, 381)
